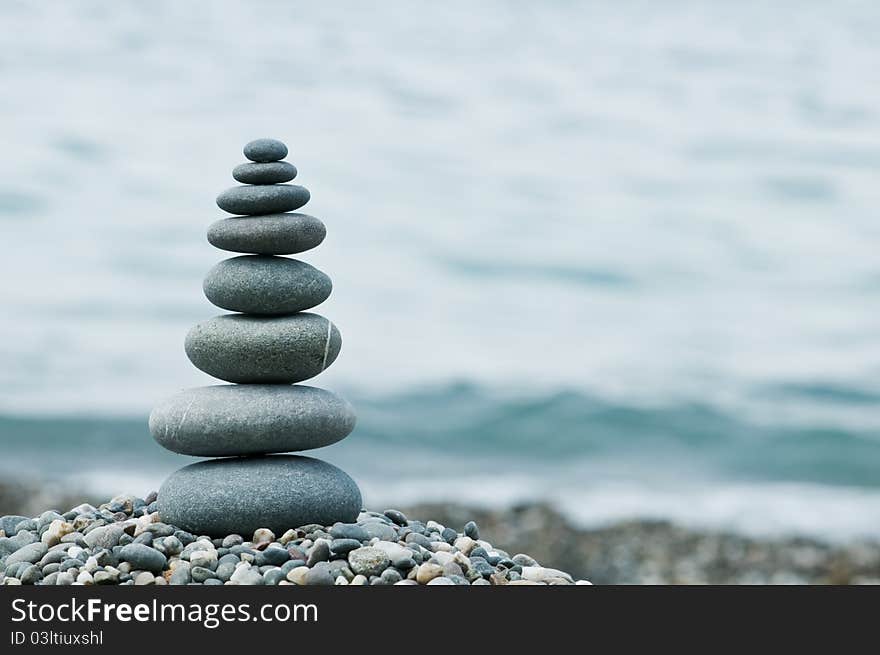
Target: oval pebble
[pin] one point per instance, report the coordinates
(276, 172)
(263, 199)
(270, 234)
(265, 150)
(252, 349)
(218, 497)
(250, 419)
(266, 285)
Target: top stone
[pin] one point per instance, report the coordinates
(265, 150)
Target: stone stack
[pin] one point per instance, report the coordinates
(264, 349)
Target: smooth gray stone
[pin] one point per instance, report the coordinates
(239, 495)
(263, 199)
(33, 553)
(266, 285)
(8, 523)
(143, 557)
(264, 150)
(253, 349)
(250, 419)
(270, 234)
(275, 172)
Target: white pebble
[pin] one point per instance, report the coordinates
(543, 574)
(263, 534)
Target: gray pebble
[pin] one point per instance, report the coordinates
(27, 524)
(66, 565)
(377, 530)
(30, 575)
(265, 150)
(250, 419)
(9, 522)
(269, 234)
(200, 573)
(416, 538)
(320, 575)
(275, 172)
(106, 577)
(251, 349)
(343, 546)
(182, 574)
(368, 561)
(524, 560)
(348, 531)
(143, 557)
(391, 576)
(289, 565)
(266, 285)
(225, 571)
(230, 540)
(105, 536)
(320, 553)
(275, 555)
(160, 529)
(471, 530)
(29, 553)
(263, 199)
(403, 562)
(243, 494)
(64, 579)
(144, 538)
(397, 516)
(273, 576)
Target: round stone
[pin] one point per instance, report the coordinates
(239, 495)
(263, 199)
(143, 557)
(271, 234)
(250, 419)
(253, 349)
(368, 561)
(267, 285)
(263, 150)
(275, 172)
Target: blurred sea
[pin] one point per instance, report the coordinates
(622, 257)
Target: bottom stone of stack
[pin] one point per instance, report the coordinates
(238, 495)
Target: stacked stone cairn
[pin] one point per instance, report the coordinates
(264, 349)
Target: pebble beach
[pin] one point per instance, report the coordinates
(125, 542)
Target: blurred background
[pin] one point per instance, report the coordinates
(619, 260)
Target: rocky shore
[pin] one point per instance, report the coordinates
(659, 552)
(632, 552)
(124, 542)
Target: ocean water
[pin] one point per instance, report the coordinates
(622, 258)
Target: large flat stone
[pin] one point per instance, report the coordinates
(250, 419)
(275, 172)
(263, 199)
(238, 495)
(267, 285)
(271, 234)
(253, 349)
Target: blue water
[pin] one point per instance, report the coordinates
(619, 257)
